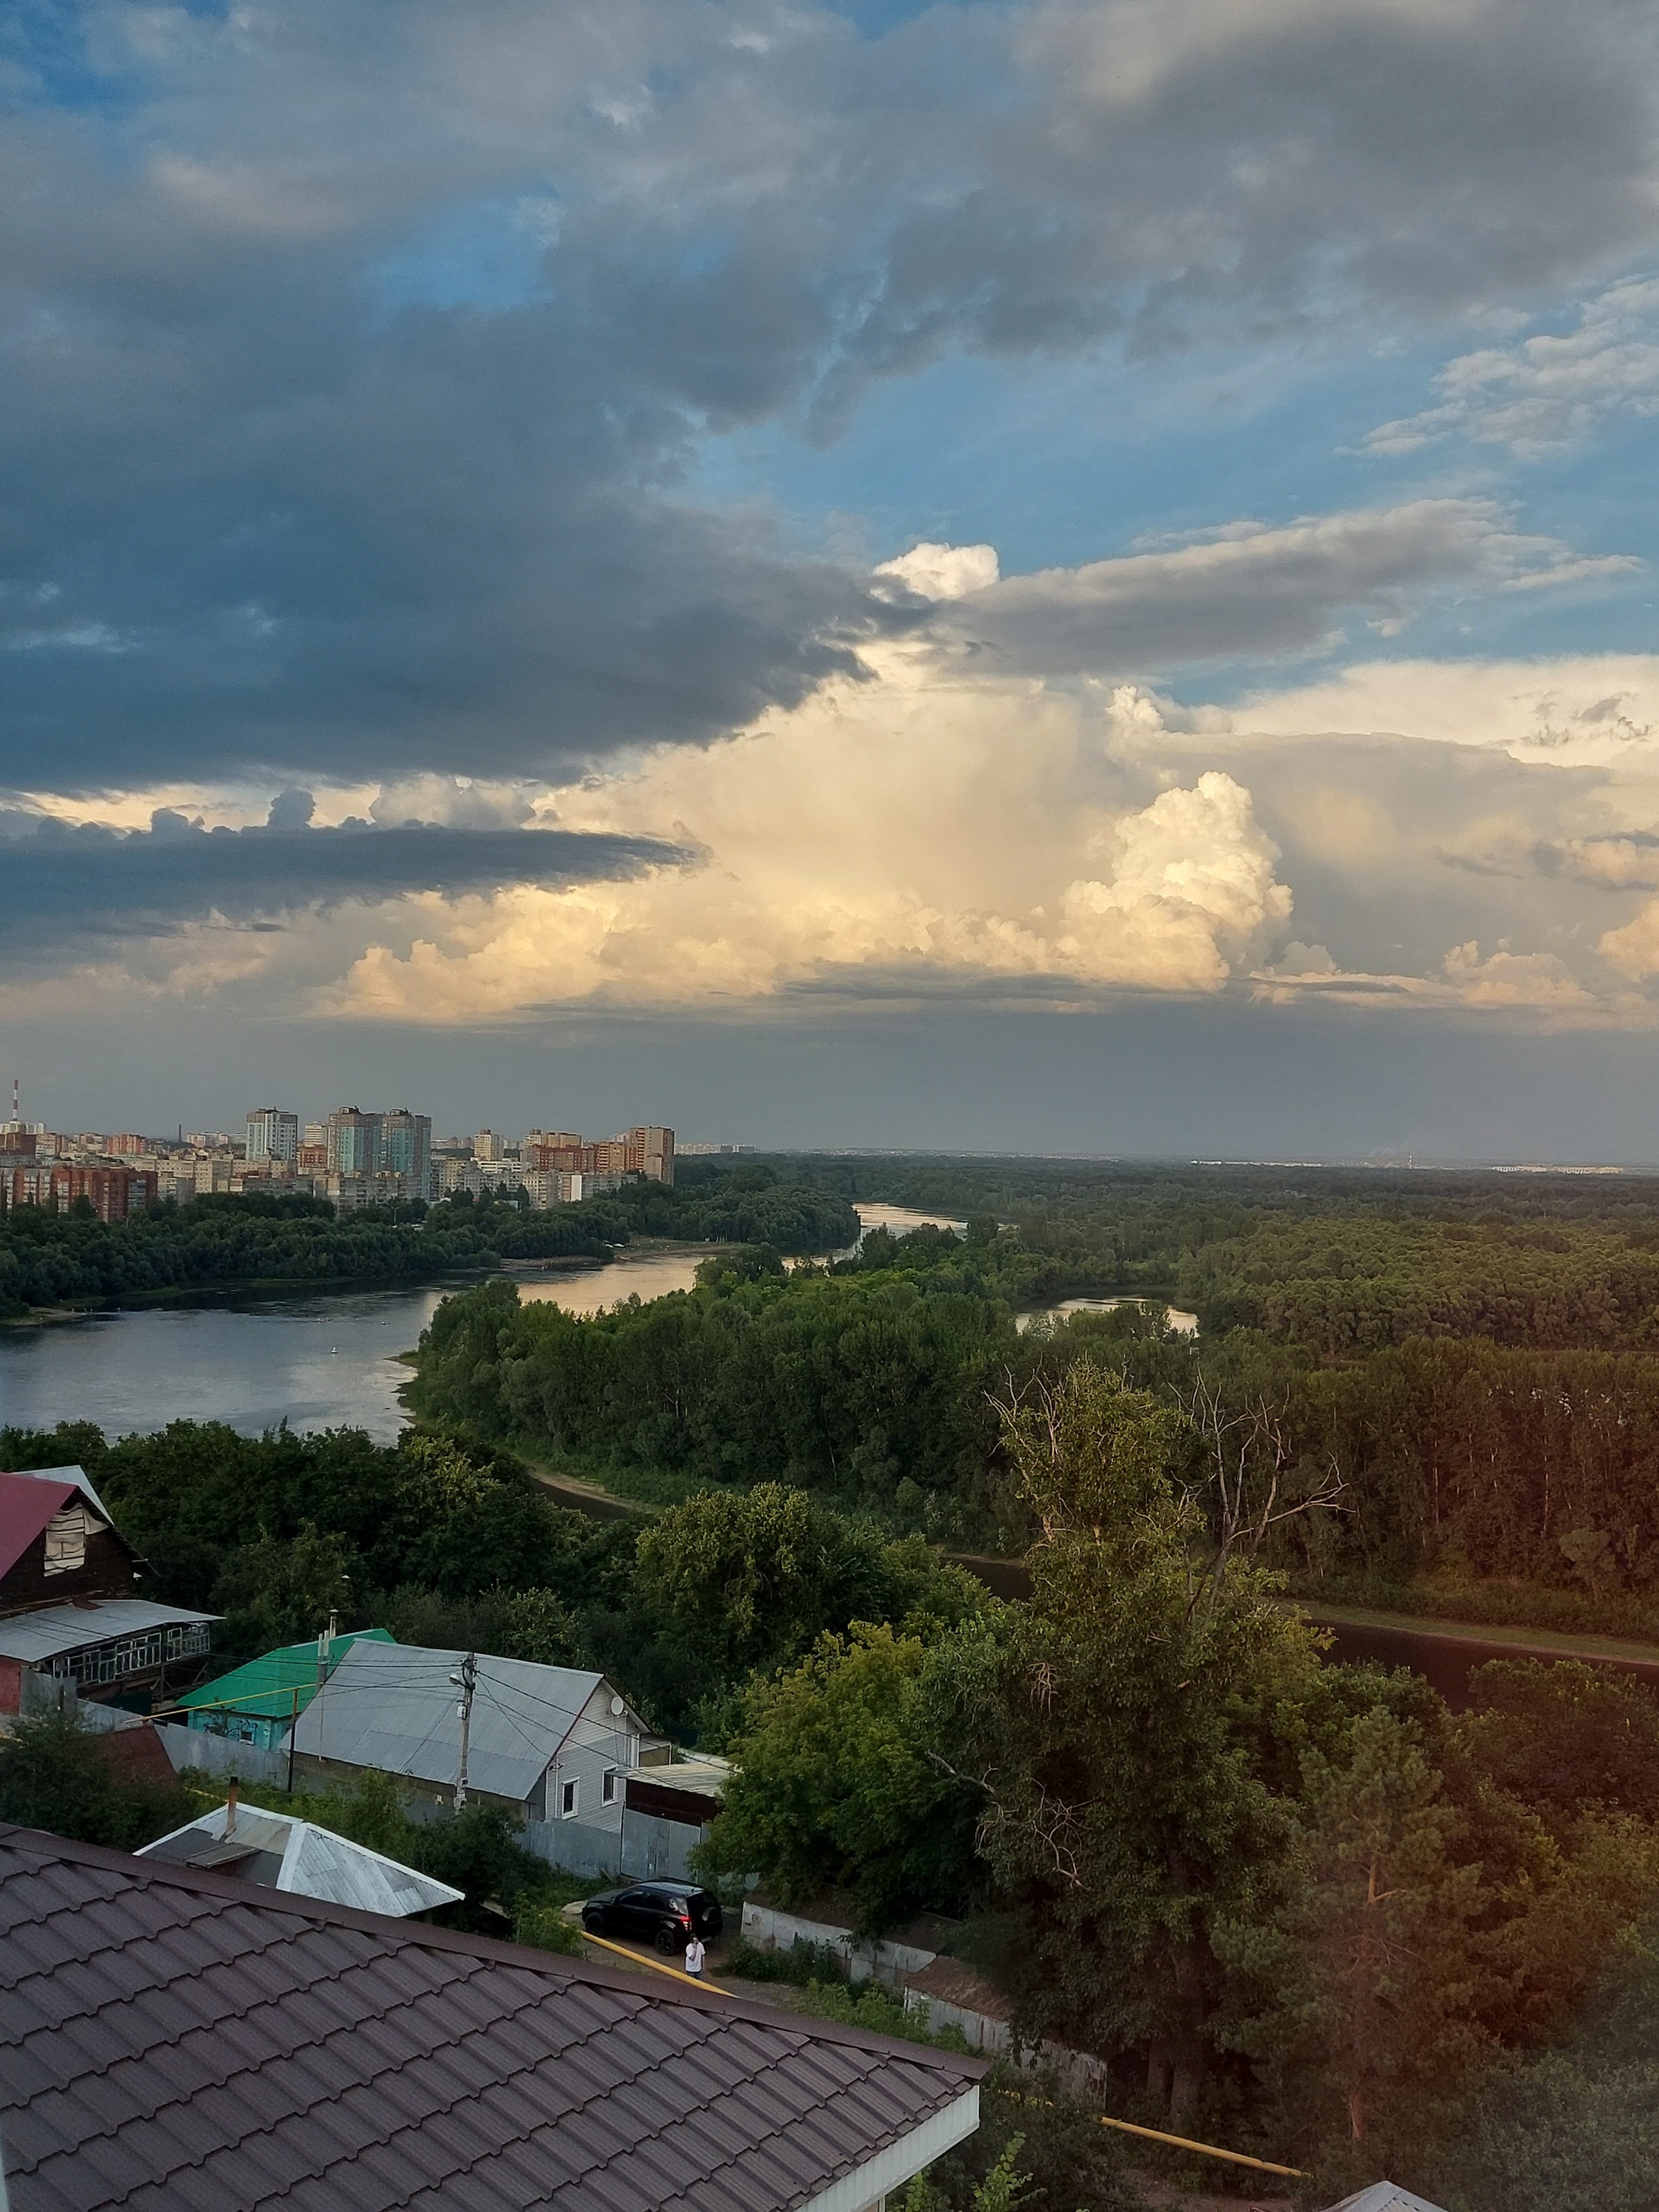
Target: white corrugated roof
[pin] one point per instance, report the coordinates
(315, 1862)
(1385, 2196)
(394, 1707)
(49, 1634)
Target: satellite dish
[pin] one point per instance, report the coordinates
(618, 1706)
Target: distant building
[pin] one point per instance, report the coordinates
(647, 1152)
(397, 1144)
(273, 1133)
(486, 1146)
(650, 1153)
(113, 1193)
(353, 1141)
(406, 1149)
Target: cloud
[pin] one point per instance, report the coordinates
(1252, 591)
(62, 883)
(1551, 389)
(882, 842)
(1633, 948)
(356, 364)
(945, 571)
(1571, 710)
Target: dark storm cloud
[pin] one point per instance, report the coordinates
(60, 881)
(353, 359)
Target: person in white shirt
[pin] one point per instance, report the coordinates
(693, 1957)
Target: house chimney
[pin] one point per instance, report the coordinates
(230, 1806)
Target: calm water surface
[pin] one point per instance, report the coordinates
(315, 1362)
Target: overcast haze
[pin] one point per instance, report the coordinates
(1075, 575)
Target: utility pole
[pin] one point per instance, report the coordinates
(293, 1730)
(467, 1681)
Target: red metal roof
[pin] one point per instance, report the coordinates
(26, 1505)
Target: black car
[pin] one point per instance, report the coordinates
(667, 1914)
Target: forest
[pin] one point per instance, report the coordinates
(54, 1260)
(1462, 1371)
(1303, 1909)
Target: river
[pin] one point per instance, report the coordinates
(317, 1363)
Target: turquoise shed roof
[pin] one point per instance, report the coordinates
(265, 1688)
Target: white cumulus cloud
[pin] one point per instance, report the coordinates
(1548, 390)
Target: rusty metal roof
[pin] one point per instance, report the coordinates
(173, 2041)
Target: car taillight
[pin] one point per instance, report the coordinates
(685, 1920)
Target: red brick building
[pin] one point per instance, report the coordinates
(113, 1193)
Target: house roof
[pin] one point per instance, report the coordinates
(265, 1687)
(26, 1505)
(56, 1629)
(395, 1707)
(277, 1851)
(77, 1476)
(175, 2041)
(1385, 2196)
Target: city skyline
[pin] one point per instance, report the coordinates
(1059, 576)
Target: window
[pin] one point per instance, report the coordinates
(613, 1786)
(567, 1801)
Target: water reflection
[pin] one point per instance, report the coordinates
(317, 1363)
(1183, 1323)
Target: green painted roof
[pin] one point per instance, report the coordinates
(265, 1687)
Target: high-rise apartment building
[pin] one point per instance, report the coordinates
(273, 1136)
(650, 1153)
(353, 1140)
(406, 1149)
(487, 1147)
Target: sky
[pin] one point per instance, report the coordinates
(1075, 575)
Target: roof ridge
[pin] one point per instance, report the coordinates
(558, 1967)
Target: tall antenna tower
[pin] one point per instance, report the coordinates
(16, 1109)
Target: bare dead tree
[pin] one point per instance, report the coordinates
(1249, 1462)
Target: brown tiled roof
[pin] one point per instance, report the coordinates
(172, 2042)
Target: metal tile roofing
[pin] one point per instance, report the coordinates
(172, 2038)
(265, 1687)
(27, 1504)
(77, 1475)
(299, 1857)
(395, 1707)
(34, 1637)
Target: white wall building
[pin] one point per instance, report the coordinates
(551, 1743)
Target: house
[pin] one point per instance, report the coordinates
(260, 1702)
(66, 1611)
(281, 1852)
(553, 1745)
(173, 2040)
(58, 1544)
